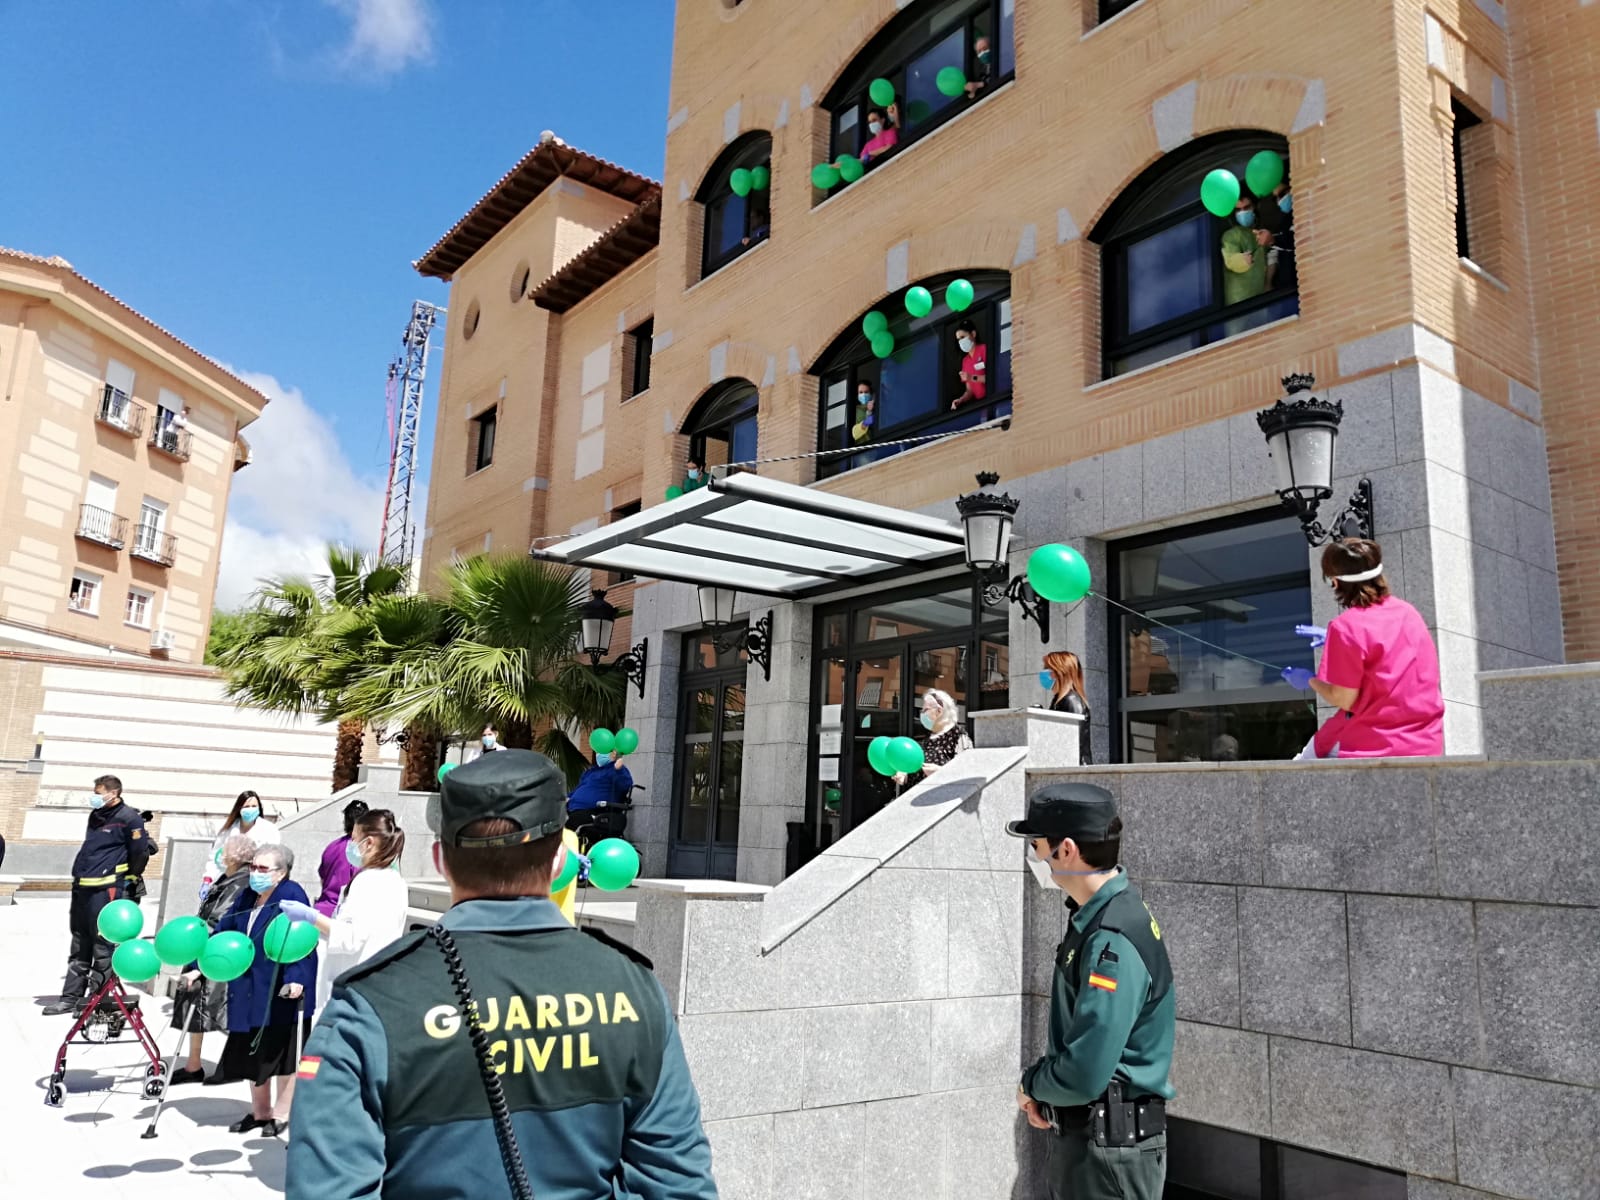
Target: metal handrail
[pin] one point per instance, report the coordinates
(118, 410)
(153, 545)
(103, 526)
(170, 439)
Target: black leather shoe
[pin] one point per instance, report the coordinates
(184, 1075)
(246, 1124)
(61, 1008)
(272, 1128)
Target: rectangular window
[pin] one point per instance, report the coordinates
(84, 595)
(483, 453)
(622, 513)
(137, 611)
(1465, 119)
(101, 493)
(152, 524)
(642, 340)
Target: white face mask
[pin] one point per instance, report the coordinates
(966, 345)
(876, 127)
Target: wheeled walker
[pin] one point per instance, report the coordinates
(106, 1015)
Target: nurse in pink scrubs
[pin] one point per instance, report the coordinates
(1379, 666)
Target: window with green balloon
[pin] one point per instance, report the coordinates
(735, 197)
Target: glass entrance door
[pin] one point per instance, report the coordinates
(705, 805)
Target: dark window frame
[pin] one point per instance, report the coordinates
(621, 513)
(642, 338)
(1114, 8)
(1124, 227)
(716, 413)
(487, 424)
(1463, 119)
(849, 93)
(749, 151)
(850, 360)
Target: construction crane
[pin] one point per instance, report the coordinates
(403, 397)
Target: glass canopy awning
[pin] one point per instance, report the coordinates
(767, 538)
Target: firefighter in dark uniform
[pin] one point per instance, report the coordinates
(1101, 1087)
(502, 1043)
(110, 865)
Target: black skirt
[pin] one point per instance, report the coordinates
(275, 1055)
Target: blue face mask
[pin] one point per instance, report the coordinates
(1047, 681)
(694, 472)
(602, 760)
(352, 854)
(1245, 217)
(260, 881)
(97, 801)
(248, 815)
(1286, 203)
(863, 398)
(927, 721)
(488, 741)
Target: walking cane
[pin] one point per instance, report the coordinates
(166, 1078)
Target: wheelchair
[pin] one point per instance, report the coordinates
(602, 821)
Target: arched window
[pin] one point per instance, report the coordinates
(913, 389)
(971, 36)
(722, 428)
(1177, 278)
(736, 222)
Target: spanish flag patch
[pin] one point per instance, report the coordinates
(1102, 982)
(308, 1067)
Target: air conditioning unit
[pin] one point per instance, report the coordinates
(162, 639)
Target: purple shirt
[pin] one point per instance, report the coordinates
(335, 873)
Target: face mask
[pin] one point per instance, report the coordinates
(863, 397)
(260, 881)
(966, 344)
(1047, 681)
(488, 741)
(97, 801)
(248, 815)
(602, 760)
(876, 127)
(352, 854)
(927, 721)
(1286, 203)
(694, 472)
(1246, 217)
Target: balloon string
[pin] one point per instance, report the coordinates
(1181, 633)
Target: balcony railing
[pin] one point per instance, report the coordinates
(103, 526)
(118, 410)
(170, 439)
(150, 544)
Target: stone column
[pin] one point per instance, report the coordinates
(777, 732)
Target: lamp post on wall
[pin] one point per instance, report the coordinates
(986, 521)
(1301, 433)
(597, 619)
(716, 613)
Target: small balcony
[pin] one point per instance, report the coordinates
(102, 526)
(171, 439)
(118, 410)
(152, 545)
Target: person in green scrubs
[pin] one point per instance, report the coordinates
(1102, 1085)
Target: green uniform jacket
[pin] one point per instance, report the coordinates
(1246, 264)
(390, 1100)
(1109, 1015)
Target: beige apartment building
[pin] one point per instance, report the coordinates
(121, 443)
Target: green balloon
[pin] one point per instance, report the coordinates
(881, 92)
(740, 182)
(287, 941)
(760, 178)
(919, 302)
(831, 799)
(851, 168)
(1219, 192)
(569, 870)
(883, 344)
(874, 323)
(613, 865)
(674, 492)
(180, 940)
(1264, 172)
(825, 176)
(227, 956)
(958, 295)
(444, 769)
(627, 740)
(1059, 573)
(120, 921)
(136, 961)
(905, 755)
(602, 741)
(878, 755)
(950, 81)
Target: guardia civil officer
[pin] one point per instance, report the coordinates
(1101, 1087)
(572, 1079)
(109, 865)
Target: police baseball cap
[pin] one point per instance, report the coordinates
(1079, 811)
(517, 785)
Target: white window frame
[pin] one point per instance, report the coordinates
(159, 526)
(95, 584)
(149, 598)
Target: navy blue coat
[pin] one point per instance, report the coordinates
(250, 995)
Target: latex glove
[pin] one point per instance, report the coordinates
(291, 991)
(1298, 678)
(1316, 633)
(189, 978)
(900, 778)
(296, 911)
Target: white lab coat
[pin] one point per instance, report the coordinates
(371, 914)
(262, 832)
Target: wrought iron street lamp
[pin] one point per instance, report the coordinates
(1301, 433)
(597, 619)
(986, 521)
(716, 613)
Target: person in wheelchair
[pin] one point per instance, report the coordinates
(598, 806)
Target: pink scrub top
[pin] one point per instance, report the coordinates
(880, 144)
(1385, 654)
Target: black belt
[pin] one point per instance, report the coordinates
(1111, 1120)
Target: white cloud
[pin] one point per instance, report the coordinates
(386, 36)
(299, 492)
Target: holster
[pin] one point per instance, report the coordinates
(1115, 1121)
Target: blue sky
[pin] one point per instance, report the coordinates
(257, 175)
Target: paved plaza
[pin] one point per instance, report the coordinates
(92, 1145)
